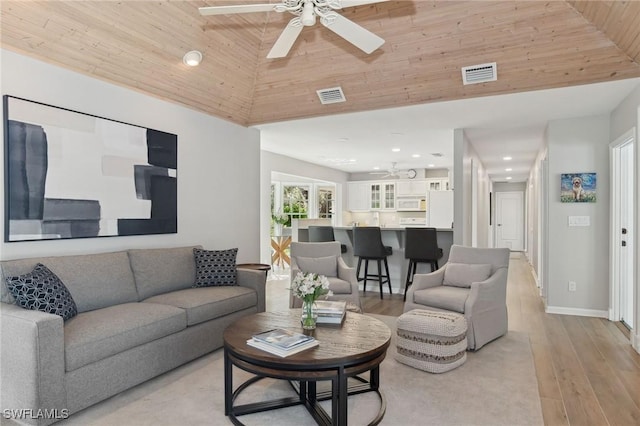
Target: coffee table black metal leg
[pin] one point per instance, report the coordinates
(228, 384)
(343, 393)
(374, 378)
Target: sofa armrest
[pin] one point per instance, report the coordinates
(432, 279)
(32, 365)
(348, 274)
(255, 280)
(488, 294)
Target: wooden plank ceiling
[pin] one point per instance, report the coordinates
(140, 44)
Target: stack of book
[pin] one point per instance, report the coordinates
(282, 342)
(331, 312)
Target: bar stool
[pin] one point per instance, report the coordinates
(421, 246)
(367, 245)
(323, 234)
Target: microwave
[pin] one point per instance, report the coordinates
(411, 204)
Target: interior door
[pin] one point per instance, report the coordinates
(510, 220)
(626, 248)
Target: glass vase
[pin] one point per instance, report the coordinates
(309, 315)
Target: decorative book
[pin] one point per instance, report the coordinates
(267, 347)
(331, 312)
(282, 339)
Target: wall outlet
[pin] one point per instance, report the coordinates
(572, 286)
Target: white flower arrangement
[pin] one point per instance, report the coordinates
(309, 287)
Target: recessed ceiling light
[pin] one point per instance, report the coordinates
(416, 155)
(506, 158)
(508, 178)
(343, 139)
(508, 169)
(353, 160)
(376, 168)
(431, 165)
(395, 149)
(192, 58)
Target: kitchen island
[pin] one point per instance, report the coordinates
(395, 238)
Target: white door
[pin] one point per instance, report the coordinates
(510, 220)
(623, 213)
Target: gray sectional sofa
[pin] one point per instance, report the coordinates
(138, 317)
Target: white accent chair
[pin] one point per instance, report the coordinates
(324, 259)
(473, 282)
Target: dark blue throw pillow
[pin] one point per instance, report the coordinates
(215, 267)
(42, 290)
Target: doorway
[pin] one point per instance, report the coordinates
(622, 229)
(510, 220)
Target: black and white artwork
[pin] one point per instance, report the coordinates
(75, 175)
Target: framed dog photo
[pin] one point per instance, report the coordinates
(578, 187)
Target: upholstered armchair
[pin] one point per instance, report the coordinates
(473, 282)
(324, 259)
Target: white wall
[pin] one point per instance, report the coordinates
(218, 162)
(578, 254)
(270, 162)
(465, 160)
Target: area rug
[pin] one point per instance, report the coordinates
(496, 386)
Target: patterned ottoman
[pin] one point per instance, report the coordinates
(432, 341)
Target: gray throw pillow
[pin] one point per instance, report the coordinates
(215, 267)
(327, 266)
(42, 290)
(463, 274)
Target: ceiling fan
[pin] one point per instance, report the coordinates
(306, 12)
(394, 172)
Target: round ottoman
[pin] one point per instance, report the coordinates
(431, 341)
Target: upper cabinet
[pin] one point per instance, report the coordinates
(358, 196)
(437, 184)
(411, 188)
(382, 196)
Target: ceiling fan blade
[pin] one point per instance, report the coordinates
(284, 43)
(351, 3)
(360, 37)
(241, 8)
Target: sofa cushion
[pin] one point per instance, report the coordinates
(443, 297)
(206, 303)
(94, 280)
(339, 286)
(158, 271)
(215, 267)
(99, 334)
(463, 274)
(42, 290)
(327, 266)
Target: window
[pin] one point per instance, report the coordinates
(325, 202)
(295, 202)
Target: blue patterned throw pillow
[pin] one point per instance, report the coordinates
(42, 290)
(215, 267)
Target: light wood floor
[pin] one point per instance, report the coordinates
(588, 373)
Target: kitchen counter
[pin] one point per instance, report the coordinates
(393, 236)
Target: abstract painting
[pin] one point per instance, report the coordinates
(75, 175)
(578, 187)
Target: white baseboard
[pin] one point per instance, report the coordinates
(577, 312)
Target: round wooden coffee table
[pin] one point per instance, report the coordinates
(359, 346)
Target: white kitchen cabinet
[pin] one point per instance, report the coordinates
(411, 188)
(437, 184)
(382, 196)
(358, 196)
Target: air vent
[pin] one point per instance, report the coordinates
(480, 73)
(332, 95)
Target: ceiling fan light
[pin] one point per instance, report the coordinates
(308, 18)
(192, 58)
